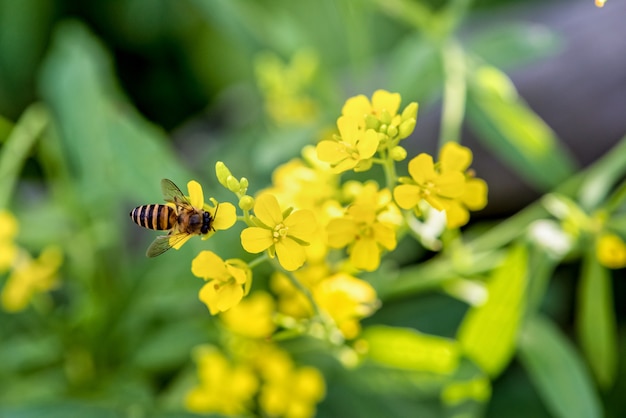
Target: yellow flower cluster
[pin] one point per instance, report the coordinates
(257, 375)
(318, 234)
(28, 276)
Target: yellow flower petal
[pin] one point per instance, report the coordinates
(365, 255)
(348, 129)
(475, 196)
(456, 214)
(368, 144)
(454, 157)
(291, 255)
(208, 265)
(450, 184)
(330, 151)
(220, 298)
(225, 217)
(196, 196)
(384, 235)
(178, 242)
(407, 196)
(254, 239)
(384, 100)
(301, 224)
(341, 232)
(8, 225)
(268, 211)
(239, 274)
(422, 168)
(357, 106)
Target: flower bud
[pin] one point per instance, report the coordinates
(232, 184)
(398, 153)
(246, 202)
(410, 111)
(371, 122)
(222, 173)
(406, 128)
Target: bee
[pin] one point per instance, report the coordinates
(181, 219)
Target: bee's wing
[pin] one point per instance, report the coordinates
(171, 192)
(163, 243)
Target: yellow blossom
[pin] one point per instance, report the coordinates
(351, 149)
(611, 251)
(304, 183)
(346, 299)
(227, 281)
(29, 277)
(283, 235)
(253, 317)
(223, 388)
(444, 186)
(288, 391)
(364, 234)
(381, 114)
(224, 215)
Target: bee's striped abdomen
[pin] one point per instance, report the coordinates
(159, 217)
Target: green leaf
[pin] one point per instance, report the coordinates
(557, 371)
(408, 349)
(514, 132)
(488, 333)
(597, 330)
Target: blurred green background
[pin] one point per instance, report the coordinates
(111, 96)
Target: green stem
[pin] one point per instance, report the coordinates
(260, 259)
(389, 168)
(617, 198)
(19, 143)
(454, 92)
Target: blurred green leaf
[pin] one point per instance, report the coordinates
(557, 371)
(515, 44)
(488, 333)
(111, 149)
(514, 132)
(408, 349)
(596, 325)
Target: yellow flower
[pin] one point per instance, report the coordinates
(288, 391)
(444, 186)
(253, 317)
(364, 234)
(381, 114)
(224, 215)
(8, 232)
(282, 235)
(304, 183)
(346, 299)
(284, 86)
(223, 388)
(351, 149)
(30, 277)
(611, 251)
(227, 281)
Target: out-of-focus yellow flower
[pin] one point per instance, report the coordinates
(284, 86)
(600, 3)
(8, 232)
(288, 391)
(224, 215)
(304, 183)
(444, 186)
(351, 149)
(347, 300)
(29, 277)
(611, 251)
(253, 317)
(369, 194)
(227, 281)
(283, 235)
(223, 388)
(364, 234)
